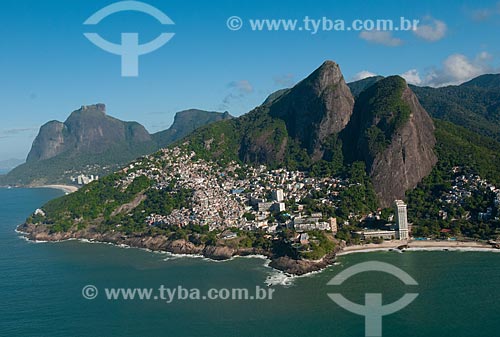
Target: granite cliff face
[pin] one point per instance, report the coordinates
(387, 128)
(319, 122)
(409, 158)
(394, 136)
(316, 108)
(86, 131)
(49, 142)
(91, 142)
(290, 123)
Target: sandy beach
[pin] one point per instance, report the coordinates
(64, 188)
(418, 245)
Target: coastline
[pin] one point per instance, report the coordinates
(276, 277)
(161, 243)
(429, 245)
(65, 188)
(289, 267)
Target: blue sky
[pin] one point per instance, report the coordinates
(48, 68)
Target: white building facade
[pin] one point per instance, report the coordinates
(401, 219)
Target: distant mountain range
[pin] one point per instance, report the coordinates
(322, 125)
(8, 164)
(357, 154)
(186, 122)
(474, 105)
(91, 142)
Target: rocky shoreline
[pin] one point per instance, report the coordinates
(284, 264)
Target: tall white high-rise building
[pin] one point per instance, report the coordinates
(278, 195)
(401, 219)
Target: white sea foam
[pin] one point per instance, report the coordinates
(22, 237)
(172, 256)
(277, 278)
(19, 232)
(39, 241)
(255, 256)
(25, 238)
(87, 241)
(162, 252)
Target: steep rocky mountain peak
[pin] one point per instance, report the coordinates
(316, 108)
(393, 134)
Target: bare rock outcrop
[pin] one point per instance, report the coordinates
(316, 108)
(393, 134)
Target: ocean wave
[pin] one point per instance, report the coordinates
(278, 278)
(172, 256)
(19, 232)
(161, 252)
(33, 241)
(22, 237)
(253, 256)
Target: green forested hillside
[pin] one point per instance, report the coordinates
(90, 142)
(60, 168)
(379, 111)
(470, 154)
(474, 105)
(186, 122)
(471, 106)
(268, 135)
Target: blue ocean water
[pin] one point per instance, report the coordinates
(41, 290)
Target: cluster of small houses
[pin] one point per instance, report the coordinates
(463, 187)
(223, 197)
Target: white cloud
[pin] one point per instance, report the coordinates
(380, 37)
(412, 76)
(362, 75)
(243, 86)
(456, 69)
(238, 90)
(484, 56)
(433, 30)
(483, 14)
